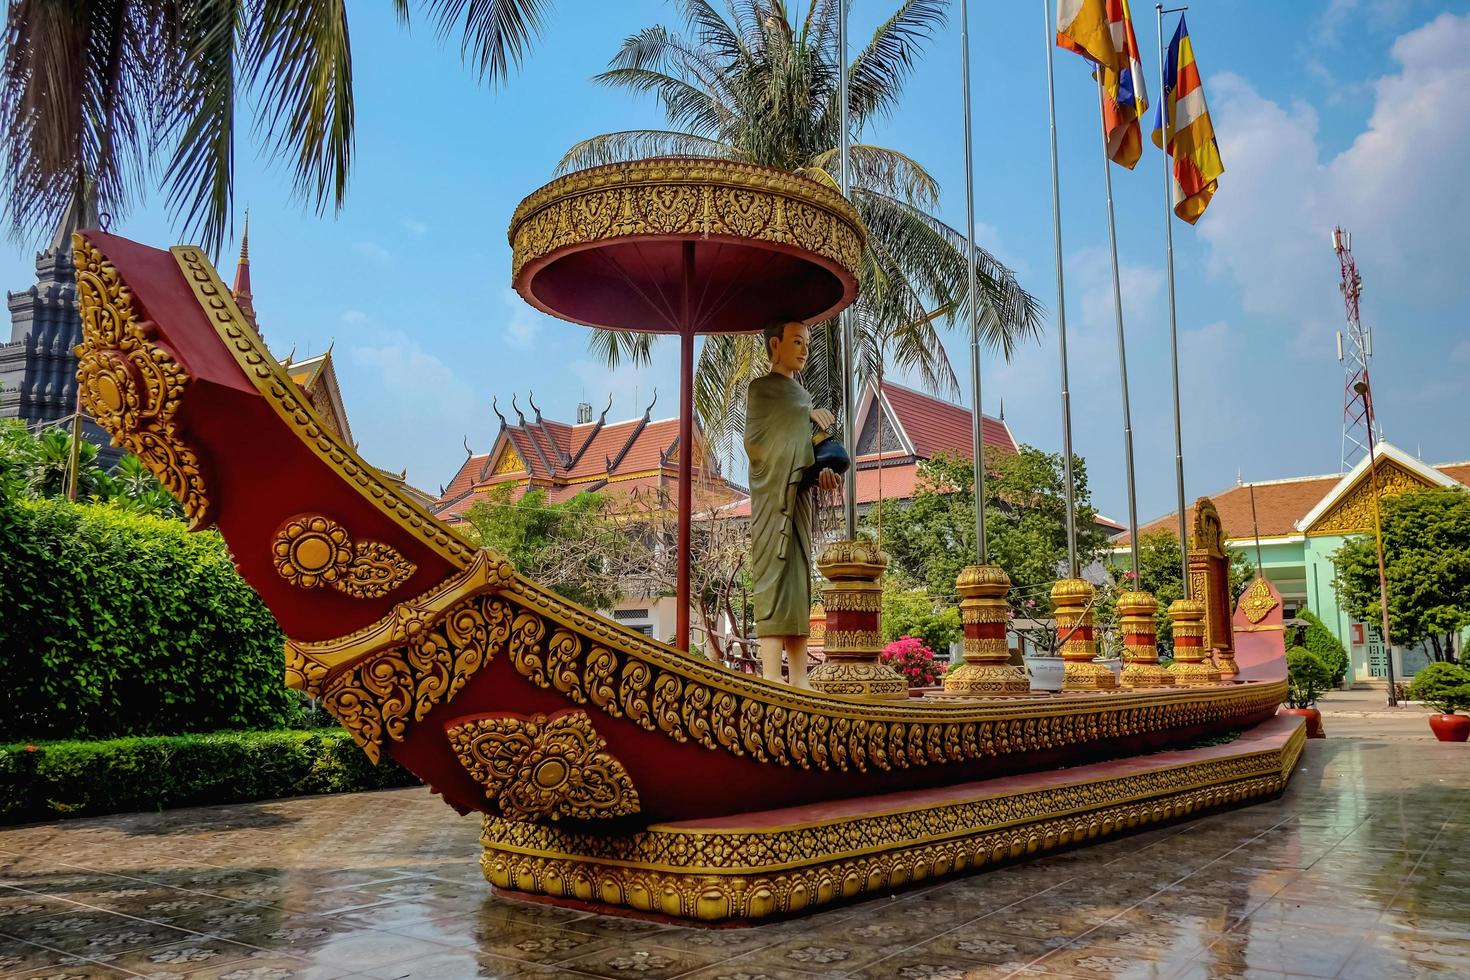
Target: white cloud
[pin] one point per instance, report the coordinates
(373, 251)
(524, 326)
(414, 227)
(1396, 187)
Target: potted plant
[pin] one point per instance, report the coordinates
(1306, 678)
(1446, 688)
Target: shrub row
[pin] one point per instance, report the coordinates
(66, 779)
(116, 624)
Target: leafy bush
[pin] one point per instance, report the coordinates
(116, 624)
(62, 779)
(1325, 644)
(1445, 686)
(1307, 677)
(911, 612)
(912, 658)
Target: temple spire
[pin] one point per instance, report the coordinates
(241, 288)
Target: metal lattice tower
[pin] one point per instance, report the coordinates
(1354, 351)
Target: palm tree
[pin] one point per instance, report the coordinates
(95, 95)
(758, 88)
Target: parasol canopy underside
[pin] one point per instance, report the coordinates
(637, 283)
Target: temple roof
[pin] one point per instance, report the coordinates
(1284, 508)
(926, 425)
(241, 290)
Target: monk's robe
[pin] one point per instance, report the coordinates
(778, 443)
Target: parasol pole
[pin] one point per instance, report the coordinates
(1049, 36)
(844, 319)
(1166, 119)
(982, 549)
(686, 448)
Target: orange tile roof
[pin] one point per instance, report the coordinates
(934, 425)
(1279, 505)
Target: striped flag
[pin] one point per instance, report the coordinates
(1082, 26)
(1197, 165)
(1126, 97)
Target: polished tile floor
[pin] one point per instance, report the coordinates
(1358, 872)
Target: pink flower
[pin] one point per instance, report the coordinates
(1129, 575)
(30, 748)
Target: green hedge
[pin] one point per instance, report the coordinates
(115, 624)
(1328, 648)
(67, 779)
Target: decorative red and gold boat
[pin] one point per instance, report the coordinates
(612, 769)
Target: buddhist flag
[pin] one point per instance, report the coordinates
(1125, 98)
(1191, 136)
(1082, 26)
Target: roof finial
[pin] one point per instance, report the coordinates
(467, 451)
(603, 417)
(531, 397)
(1002, 409)
(241, 290)
(648, 412)
(519, 414)
(495, 407)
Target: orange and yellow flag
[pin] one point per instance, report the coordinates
(1082, 26)
(1190, 134)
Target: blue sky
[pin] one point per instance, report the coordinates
(1328, 112)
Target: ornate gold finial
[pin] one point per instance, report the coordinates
(1141, 668)
(545, 768)
(1073, 600)
(853, 640)
(1191, 666)
(987, 669)
(1258, 600)
(312, 550)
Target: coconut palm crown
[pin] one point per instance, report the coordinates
(761, 86)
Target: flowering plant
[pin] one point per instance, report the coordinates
(915, 661)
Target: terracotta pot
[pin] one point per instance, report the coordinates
(1450, 727)
(1314, 720)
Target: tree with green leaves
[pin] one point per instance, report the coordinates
(760, 86)
(97, 97)
(1426, 556)
(36, 466)
(931, 537)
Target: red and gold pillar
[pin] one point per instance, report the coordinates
(1192, 666)
(1072, 598)
(853, 599)
(987, 669)
(1141, 667)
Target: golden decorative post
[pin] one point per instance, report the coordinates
(1192, 666)
(987, 668)
(1073, 600)
(1224, 659)
(853, 600)
(1141, 666)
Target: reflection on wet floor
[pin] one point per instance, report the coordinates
(1357, 873)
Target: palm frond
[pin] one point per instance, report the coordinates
(886, 171)
(635, 144)
(876, 77)
(615, 346)
(497, 34)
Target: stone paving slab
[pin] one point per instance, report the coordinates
(1356, 872)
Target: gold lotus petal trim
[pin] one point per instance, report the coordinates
(545, 768)
(713, 875)
(130, 385)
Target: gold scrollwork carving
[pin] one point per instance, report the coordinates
(1353, 512)
(132, 386)
(1258, 601)
(723, 874)
(674, 196)
(545, 768)
(312, 550)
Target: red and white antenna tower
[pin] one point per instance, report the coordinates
(1354, 351)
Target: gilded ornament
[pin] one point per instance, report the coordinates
(132, 386)
(987, 669)
(1073, 601)
(545, 768)
(717, 874)
(1353, 513)
(312, 551)
(1141, 668)
(1258, 601)
(1192, 666)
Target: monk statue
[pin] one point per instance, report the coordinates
(778, 442)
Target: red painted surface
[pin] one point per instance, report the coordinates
(1313, 718)
(1260, 648)
(1450, 727)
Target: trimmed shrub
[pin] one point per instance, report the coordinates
(1307, 677)
(1442, 685)
(72, 779)
(1328, 648)
(117, 624)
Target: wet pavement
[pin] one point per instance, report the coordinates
(1356, 872)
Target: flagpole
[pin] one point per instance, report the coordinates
(849, 489)
(1173, 323)
(1049, 36)
(1122, 348)
(982, 549)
